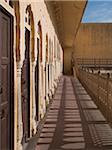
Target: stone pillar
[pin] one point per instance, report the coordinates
(49, 81)
(19, 109)
(53, 81)
(46, 84)
(50, 92)
(47, 87)
(41, 89)
(33, 100)
(54, 75)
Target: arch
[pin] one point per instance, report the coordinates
(31, 23)
(40, 34)
(26, 72)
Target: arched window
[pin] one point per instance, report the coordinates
(29, 19)
(26, 71)
(40, 35)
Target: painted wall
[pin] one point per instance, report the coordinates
(94, 40)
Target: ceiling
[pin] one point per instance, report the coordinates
(66, 17)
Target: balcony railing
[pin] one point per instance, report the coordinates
(94, 62)
(100, 88)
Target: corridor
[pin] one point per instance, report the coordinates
(74, 121)
(55, 75)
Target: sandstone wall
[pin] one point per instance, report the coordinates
(94, 40)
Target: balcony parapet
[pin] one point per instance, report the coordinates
(99, 87)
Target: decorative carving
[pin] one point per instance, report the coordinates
(31, 23)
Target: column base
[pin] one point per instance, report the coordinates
(20, 136)
(34, 130)
(19, 146)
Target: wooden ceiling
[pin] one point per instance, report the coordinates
(66, 17)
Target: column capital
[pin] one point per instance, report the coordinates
(19, 65)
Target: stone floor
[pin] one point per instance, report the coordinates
(73, 121)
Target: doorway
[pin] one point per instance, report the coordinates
(26, 88)
(37, 83)
(48, 77)
(6, 81)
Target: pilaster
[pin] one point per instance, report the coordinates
(33, 100)
(19, 109)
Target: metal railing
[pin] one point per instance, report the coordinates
(99, 88)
